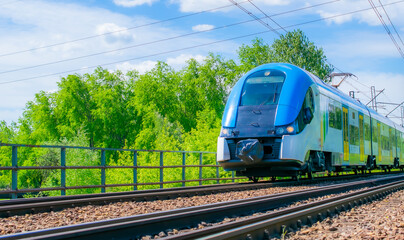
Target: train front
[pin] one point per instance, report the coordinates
(266, 109)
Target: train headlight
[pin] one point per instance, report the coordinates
(286, 130)
(290, 129)
(280, 130)
(226, 132)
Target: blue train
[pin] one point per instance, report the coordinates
(281, 120)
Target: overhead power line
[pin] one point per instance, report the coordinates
(255, 17)
(148, 43)
(123, 48)
(268, 26)
(120, 30)
(181, 49)
(386, 28)
(153, 23)
(267, 16)
(391, 23)
(137, 58)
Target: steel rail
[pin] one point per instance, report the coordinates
(45, 204)
(275, 224)
(153, 223)
(33, 205)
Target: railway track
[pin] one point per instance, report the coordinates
(254, 228)
(46, 204)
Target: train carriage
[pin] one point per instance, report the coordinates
(281, 120)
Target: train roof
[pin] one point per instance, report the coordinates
(345, 99)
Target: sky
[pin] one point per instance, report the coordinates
(42, 40)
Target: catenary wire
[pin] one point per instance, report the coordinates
(206, 44)
(157, 22)
(139, 45)
(268, 26)
(255, 17)
(388, 17)
(259, 9)
(386, 28)
(124, 48)
(120, 30)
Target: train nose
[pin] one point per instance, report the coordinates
(250, 151)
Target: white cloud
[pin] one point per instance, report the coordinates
(361, 44)
(133, 3)
(369, 17)
(175, 62)
(140, 67)
(117, 33)
(180, 60)
(330, 17)
(199, 5)
(202, 27)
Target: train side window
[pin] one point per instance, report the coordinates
(331, 115)
(338, 118)
(367, 131)
(308, 103)
(345, 116)
(353, 135)
(374, 131)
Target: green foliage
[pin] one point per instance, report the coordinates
(74, 157)
(162, 109)
(293, 47)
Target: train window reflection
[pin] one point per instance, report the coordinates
(262, 88)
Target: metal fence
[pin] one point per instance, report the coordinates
(15, 168)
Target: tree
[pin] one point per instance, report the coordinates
(293, 47)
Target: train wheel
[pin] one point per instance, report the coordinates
(310, 175)
(296, 178)
(273, 179)
(254, 179)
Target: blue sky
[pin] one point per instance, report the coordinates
(355, 43)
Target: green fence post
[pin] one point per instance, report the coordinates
(217, 170)
(183, 169)
(63, 171)
(200, 168)
(161, 170)
(103, 163)
(135, 170)
(14, 172)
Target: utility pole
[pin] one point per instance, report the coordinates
(402, 116)
(373, 96)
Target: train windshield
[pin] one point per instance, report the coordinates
(262, 88)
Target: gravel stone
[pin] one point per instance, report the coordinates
(382, 219)
(77, 215)
(91, 213)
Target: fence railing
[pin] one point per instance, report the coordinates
(15, 168)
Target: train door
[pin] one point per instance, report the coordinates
(361, 139)
(345, 132)
(391, 144)
(379, 143)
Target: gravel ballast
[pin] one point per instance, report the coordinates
(382, 219)
(77, 215)
(69, 216)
